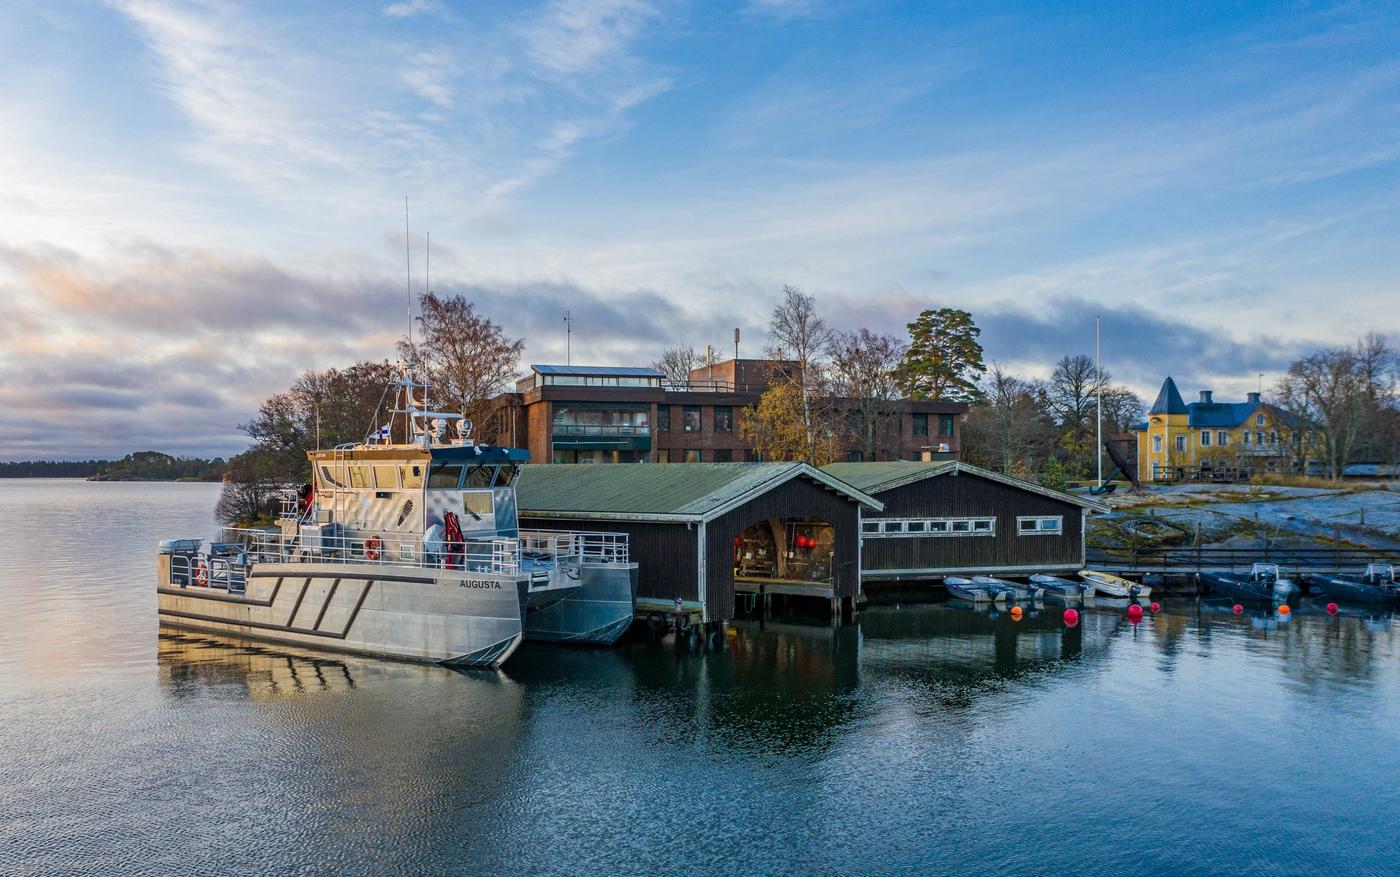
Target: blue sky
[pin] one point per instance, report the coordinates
(200, 200)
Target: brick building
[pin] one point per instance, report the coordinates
(605, 414)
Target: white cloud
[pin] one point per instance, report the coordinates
(409, 8)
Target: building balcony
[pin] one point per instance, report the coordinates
(589, 429)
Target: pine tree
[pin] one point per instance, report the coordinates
(944, 360)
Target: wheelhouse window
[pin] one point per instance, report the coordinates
(1040, 525)
(506, 475)
(480, 476)
(386, 477)
(920, 424)
(724, 418)
(334, 479)
(690, 415)
(444, 476)
(411, 477)
(359, 476)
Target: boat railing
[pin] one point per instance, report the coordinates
(584, 545)
(227, 570)
(495, 555)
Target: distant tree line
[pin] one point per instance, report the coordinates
(140, 466)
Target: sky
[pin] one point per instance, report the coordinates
(199, 201)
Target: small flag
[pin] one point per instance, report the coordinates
(383, 432)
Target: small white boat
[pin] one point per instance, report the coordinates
(974, 590)
(1065, 590)
(1114, 586)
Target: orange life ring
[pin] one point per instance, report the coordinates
(372, 547)
(201, 574)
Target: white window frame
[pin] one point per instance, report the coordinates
(1205, 438)
(1156, 444)
(899, 528)
(1222, 438)
(1039, 521)
(1181, 443)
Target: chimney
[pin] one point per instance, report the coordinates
(1205, 397)
(1254, 398)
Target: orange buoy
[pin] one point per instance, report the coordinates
(1284, 609)
(1016, 613)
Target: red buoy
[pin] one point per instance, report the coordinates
(1135, 613)
(1155, 607)
(1071, 618)
(1331, 608)
(1238, 609)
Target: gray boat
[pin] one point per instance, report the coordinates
(1064, 590)
(1376, 585)
(1012, 590)
(974, 591)
(408, 550)
(1262, 583)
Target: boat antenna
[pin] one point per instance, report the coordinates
(408, 277)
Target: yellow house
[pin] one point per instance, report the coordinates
(1206, 439)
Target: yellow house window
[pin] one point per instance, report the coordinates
(1181, 443)
(1156, 444)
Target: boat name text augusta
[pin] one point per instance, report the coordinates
(407, 550)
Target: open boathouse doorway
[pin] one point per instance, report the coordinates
(710, 538)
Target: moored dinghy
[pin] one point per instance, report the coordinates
(1012, 590)
(1114, 586)
(1376, 585)
(975, 591)
(1262, 583)
(1062, 589)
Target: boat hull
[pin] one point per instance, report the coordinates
(1114, 586)
(442, 616)
(1345, 588)
(598, 613)
(971, 593)
(1243, 589)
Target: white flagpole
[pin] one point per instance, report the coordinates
(1098, 397)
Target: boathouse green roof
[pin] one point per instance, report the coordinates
(660, 491)
(876, 478)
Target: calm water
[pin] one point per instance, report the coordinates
(918, 740)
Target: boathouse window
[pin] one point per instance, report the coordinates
(1042, 525)
(411, 477)
(1222, 438)
(1181, 442)
(1205, 438)
(690, 421)
(359, 476)
(1156, 444)
(916, 527)
(724, 418)
(663, 418)
(386, 477)
(920, 424)
(444, 476)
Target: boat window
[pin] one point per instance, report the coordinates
(444, 476)
(477, 503)
(328, 478)
(359, 476)
(411, 476)
(506, 475)
(480, 476)
(386, 477)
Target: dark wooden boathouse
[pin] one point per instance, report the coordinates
(950, 518)
(702, 531)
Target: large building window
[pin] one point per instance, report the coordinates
(585, 419)
(724, 418)
(920, 424)
(663, 418)
(724, 455)
(692, 455)
(663, 455)
(690, 418)
(945, 425)
(1156, 444)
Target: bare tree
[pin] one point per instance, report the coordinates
(1009, 428)
(676, 363)
(469, 360)
(864, 378)
(796, 332)
(1344, 392)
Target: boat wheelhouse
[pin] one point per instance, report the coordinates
(407, 550)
